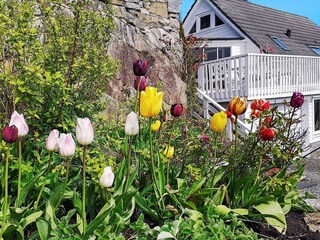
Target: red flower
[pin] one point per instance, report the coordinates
(266, 133)
(255, 113)
(260, 104)
(176, 110)
(229, 114)
(10, 134)
(268, 120)
(143, 83)
(140, 67)
(232, 119)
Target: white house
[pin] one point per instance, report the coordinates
(257, 52)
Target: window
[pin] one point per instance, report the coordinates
(218, 21)
(316, 50)
(281, 44)
(205, 21)
(316, 114)
(216, 53)
(194, 28)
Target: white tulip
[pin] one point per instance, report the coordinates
(132, 124)
(67, 145)
(52, 141)
(18, 120)
(107, 178)
(84, 131)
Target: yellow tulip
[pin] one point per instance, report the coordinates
(218, 121)
(156, 126)
(168, 152)
(150, 102)
(237, 105)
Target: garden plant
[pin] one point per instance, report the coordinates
(157, 174)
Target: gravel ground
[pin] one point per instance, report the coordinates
(311, 182)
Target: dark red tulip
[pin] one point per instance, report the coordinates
(140, 67)
(10, 134)
(268, 120)
(143, 83)
(176, 110)
(266, 133)
(297, 100)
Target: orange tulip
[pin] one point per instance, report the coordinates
(237, 105)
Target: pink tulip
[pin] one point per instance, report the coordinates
(84, 131)
(52, 141)
(67, 145)
(18, 120)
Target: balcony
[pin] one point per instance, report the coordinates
(259, 76)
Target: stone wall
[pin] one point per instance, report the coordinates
(148, 29)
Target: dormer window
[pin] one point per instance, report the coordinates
(205, 21)
(280, 43)
(194, 28)
(218, 21)
(316, 49)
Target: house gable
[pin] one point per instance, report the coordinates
(209, 23)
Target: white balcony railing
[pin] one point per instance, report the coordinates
(259, 76)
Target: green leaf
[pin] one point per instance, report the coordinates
(104, 212)
(30, 219)
(43, 228)
(55, 197)
(26, 188)
(50, 215)
(195, 187)
(273, 208)
(165, 235)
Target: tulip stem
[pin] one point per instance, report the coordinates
(6, 192)
(214, 158)
(153, 172)
(19, 172)
(290, 121)
(84, 216)
(65, 181)
(44, 182)
(138, 96)
(259, 169)
(129, 164)
(168, 165)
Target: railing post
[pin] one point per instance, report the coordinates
(247, 75)
(205, 109)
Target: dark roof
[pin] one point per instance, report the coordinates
(259, 23)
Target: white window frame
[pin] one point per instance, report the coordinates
(316, 132)
(199, 21)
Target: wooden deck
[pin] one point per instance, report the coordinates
(259, 76)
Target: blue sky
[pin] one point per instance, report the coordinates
(308, 8)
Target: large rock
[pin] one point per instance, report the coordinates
(149, 33)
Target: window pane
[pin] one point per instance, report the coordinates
(194, 28)
(210, 54)
(317, 115)
(281, 44)
(205, 22)
(224, 52)
(218, 21)
(316, 50)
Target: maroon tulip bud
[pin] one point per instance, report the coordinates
(10, 134)
(297, 100)
(143, 83)
(140, 67)
(176, 110)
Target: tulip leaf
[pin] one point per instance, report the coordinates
(30, 218)
(196, 187)
(277, 219)
(144, 207)
(104, 212)
(161, 176)
(56, 196)
(165, 235)
(43, 228)
(26, 188)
